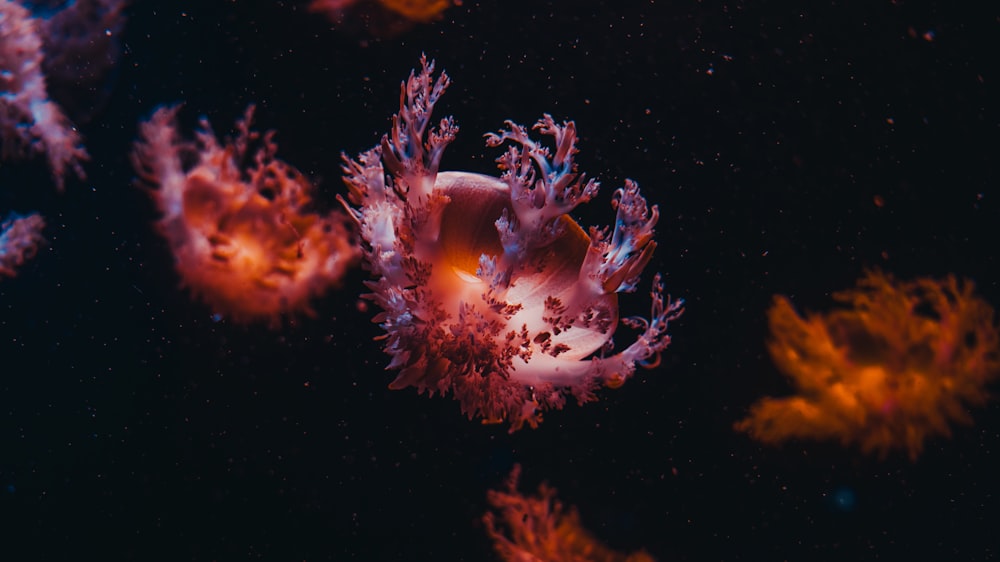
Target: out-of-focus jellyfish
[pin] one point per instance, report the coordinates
(240, 222)
(539, 528)
(20, 238)
(30, 122)
(382, 18)
(489, 290)
(895, 364)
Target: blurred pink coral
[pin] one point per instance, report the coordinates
(30, 122)
(20, 237)
(82, 45)
(540, 528)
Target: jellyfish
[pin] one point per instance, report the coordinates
(897, 363)
(241, 223)
(489, 291)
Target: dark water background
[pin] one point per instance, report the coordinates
(134, 427)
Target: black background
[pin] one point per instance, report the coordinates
(134, 427)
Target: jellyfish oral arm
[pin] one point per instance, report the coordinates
(413, 154)
(542, 189)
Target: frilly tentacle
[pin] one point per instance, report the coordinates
(543, 187)
(412, 153)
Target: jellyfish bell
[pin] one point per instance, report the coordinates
(468, 232)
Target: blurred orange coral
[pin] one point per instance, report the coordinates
(894, 366)
(380, 18)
